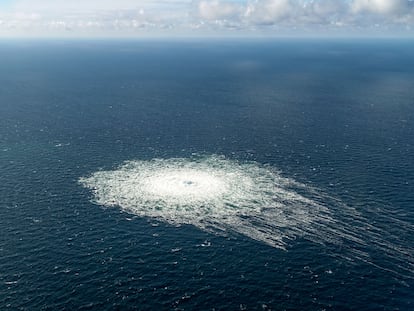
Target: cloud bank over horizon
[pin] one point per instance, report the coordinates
(205, 17)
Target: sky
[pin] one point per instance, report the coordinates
(143, 18)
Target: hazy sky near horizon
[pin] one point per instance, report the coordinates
(135, 18)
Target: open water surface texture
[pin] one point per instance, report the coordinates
(200, 175)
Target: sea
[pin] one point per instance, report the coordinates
(299, 155)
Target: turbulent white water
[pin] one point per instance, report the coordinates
(223, 196)
(214, 194)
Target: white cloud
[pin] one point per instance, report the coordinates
(308, 14)
(45, 17)
(327, 10)
(384, 7)
(215, 10)
(89, 5)
(271, 11)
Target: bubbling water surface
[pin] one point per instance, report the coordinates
(211, 193)
(223, 196)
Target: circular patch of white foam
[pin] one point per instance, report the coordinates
(184, 184)
(223, 196)
(214, 194)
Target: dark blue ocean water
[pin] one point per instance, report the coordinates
(337, 115)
